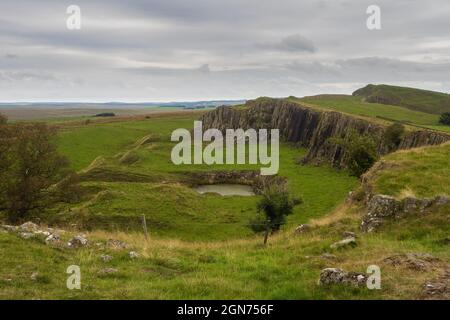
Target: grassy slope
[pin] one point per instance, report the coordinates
(167, 269)
(423, 172)
(411, 98)
(354, 105)
(174, 210)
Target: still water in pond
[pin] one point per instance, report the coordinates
(226, 189)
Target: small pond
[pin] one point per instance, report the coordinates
(226, 189)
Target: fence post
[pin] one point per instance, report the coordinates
(144, 225)
(267, 231)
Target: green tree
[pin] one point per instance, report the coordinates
(445, 118)
(393, 135)
(31, 165)
(275, 205)
(361, 151)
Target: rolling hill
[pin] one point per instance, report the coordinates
(415, 99)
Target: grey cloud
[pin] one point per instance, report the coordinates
(291, 43)
(178, 49)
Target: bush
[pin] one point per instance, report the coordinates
(273, 208)
(361, 152)
(445, 118)
(30, 165)
(393, 135)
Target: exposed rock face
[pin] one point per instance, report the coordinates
(381, 207)
(331, 276)
(309, 128)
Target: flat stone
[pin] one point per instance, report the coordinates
(108, 271)
(348, 242)
(133, 255)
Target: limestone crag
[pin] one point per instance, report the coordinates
(310, 128)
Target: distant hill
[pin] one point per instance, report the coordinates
(411, 98)
(120, 105)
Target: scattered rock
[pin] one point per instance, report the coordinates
(106, 258)
(438, 288)
(344, 243)
(34, 276)
(29, 227)
(9, 228)
(52, 238)
(302, 229)
(441, 200)
(330, 276)
(414, 261)
(133, 255)
(26, 235)
(116, 244)
(77, 242)
(108, 271)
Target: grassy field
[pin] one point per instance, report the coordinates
(173, 209)
(355, 106)
(288, 268)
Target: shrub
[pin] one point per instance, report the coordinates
(30, 165)
(273, 208)
(445, 118)
(361, 152)
(393, 135)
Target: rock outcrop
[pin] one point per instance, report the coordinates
(310, 128)
(332, 276)
(382, 207)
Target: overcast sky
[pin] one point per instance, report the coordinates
(166, 50)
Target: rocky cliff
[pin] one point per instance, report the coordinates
(310, 128)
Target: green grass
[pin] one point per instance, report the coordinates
(354, 105)
(423, 172)
(200, 247)
(174, 210)
(288, 268)
(83, 144)
(415, 99)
